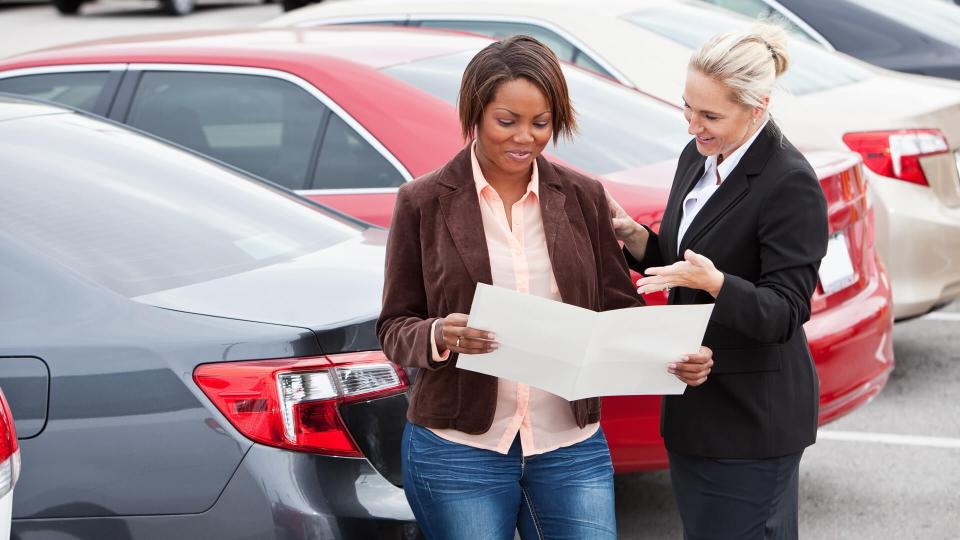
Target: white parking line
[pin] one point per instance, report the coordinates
(888, 438)
(942, 316)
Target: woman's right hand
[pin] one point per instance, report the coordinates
(628, 231)
(453, 334)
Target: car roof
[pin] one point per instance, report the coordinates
(545, 8)
(331, 59)
(375, 47)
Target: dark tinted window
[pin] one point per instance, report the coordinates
(263, 125)
(759, 9)
(78, 89)
(584, 60)
(620, 128)
(932, 18)
(812, 68)
(564, 50)
(375, 22)
(499, 30)
(150, 217)
(348, 161)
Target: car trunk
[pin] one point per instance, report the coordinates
(888, 102)
(334, 292)
(850, 266)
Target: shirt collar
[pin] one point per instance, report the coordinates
(481, 182)
(730, 162)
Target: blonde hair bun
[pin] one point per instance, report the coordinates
(748, 62)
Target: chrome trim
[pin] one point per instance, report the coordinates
(956, 157)
(66, 68)
(357, 191)
(521, 19)
(795, 19)
(289, 77)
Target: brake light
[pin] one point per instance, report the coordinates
(294, 403)
(9, 449)
(897, 153)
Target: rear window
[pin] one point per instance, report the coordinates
(151, 217)
(812, 68)
(620, 128)
(80, 89)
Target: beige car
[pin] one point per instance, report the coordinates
(900, 124)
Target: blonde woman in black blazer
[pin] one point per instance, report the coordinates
(745, 227)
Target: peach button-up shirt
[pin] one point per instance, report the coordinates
(519, 261)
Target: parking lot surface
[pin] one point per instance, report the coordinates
(889, 470)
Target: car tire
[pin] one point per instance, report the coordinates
(68, 7)
(290, 5)
(177, 7)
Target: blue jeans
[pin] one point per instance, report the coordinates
(461, 492)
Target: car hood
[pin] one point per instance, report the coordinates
(328, 289)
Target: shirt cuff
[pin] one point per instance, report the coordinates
(434, 352)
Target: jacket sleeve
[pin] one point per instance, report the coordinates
(792, 235)
(651, 256)
(404, 328)
(616, 287)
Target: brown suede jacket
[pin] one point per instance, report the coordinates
(436, 255)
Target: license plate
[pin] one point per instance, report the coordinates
(836, 269)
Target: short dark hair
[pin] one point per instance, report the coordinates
(506, 60)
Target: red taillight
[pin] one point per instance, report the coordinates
(294, 403)
(897, 153)
(9, 449)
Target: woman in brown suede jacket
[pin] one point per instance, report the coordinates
(482, 456)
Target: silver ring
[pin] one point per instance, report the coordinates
(666, 287)
(458, 341)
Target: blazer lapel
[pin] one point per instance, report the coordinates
(733, 189)
(685, 179)
(556, 229)
(461, 214)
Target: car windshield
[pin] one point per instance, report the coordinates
(812, 68)
(932, 17)
(620, 128)
(138, 216)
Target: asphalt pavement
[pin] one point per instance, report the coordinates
(890, 470)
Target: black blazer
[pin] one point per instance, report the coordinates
(766, 229)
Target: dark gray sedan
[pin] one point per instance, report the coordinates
(915, 36)
(188, 352)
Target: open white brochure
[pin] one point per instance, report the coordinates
(576, 353)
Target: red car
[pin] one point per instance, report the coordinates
(344, 115)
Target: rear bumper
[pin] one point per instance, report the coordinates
(852, 346)
(918, 239)
(274, 494)
(6, 511)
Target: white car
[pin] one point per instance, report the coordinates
(9, 466)
(900, 124)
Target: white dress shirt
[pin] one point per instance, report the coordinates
(707, 186)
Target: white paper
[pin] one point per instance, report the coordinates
(576, 353)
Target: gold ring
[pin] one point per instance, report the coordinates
(458, 341)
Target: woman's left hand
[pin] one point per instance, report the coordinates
(694, 272)
(693, 369)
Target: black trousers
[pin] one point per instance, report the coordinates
(737, 499)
